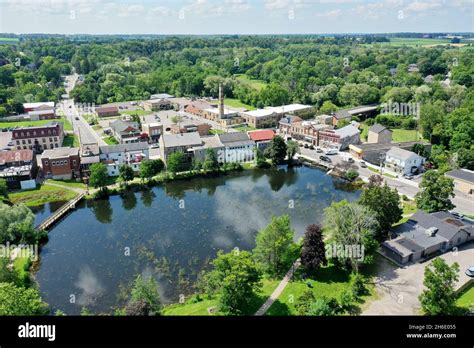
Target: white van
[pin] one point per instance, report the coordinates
(331, 152)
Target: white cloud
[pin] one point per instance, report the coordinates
(334, 14)
(422, 6)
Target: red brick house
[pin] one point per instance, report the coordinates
(62, 163)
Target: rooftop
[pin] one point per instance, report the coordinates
(400, 153)
(347, 131)
(35, 105)
(261, 135)
(182, 139)
(462, 174)
(60, 152)
(15, 156)
(123, 127)
(161, 96)
(120, 148)
(235, 139)
(378, 128)
(106, 108)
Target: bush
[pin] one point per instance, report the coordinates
(358, 285)
(351, 174)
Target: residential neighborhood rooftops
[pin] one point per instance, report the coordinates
(400, 153)
(461, 174)
(261, 135)
(378, 128)
(347, 131)
(15, 156)
(60, 152)
(123, 127)
(140, 146)
(235, 139)
(182, 139)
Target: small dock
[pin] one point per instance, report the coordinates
(58, 214)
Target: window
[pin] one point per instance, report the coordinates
(46, 163)
(74, 162)
(29, 141)
(23, 142)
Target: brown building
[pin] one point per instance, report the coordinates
(38, 138)
(379, 134)
(17, 166)
(153, 130)
(188, 127)
(104, 111)
(62, 163)
(157, 104)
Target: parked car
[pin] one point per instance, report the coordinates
(133, 103)
(470, 271)
(363, 164)
(300, 144)
(306, 146)
(325, 158)
(155, 146)
(311, 147)
(408, 176)
(350, 160)
(331, 152)
(318, 150)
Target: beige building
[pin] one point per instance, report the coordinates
(379, 134)
(38, 138)
(270, 116)
(157, 104)
(463, 180)
(154, 130)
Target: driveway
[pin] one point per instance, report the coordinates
(398, 288)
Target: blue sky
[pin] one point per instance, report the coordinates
(234, 16)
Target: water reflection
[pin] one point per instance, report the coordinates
(172, 241)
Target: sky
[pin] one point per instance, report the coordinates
(235, 16)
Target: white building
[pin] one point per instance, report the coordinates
(113, 156)
(403, 161)
(237, 148)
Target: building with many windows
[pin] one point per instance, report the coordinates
(38, 138)
(63, 163)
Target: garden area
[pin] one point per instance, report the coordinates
(41, 195)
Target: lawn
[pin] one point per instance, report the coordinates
(69, 183)
(12, 124)
(466, 300)
(41, 195)
(236, 103)
(403, 135)
(138, 112)
(200, 308)
(257, 84)
(110, 140)
(71, 141)
(216, 131)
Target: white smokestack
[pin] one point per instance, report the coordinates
(221, 101)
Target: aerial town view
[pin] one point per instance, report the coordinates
(236, 158)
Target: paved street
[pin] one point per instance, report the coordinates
(409, 188)
(399, 288)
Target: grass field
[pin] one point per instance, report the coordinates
(245, 129)
(110, 140)
(216, 131)
(6, 124)
(9, 40)
(402, 135)
(466, 300)
(236, 103)
(200, 308)
(44, 194)
(138, 112)
(257, 84)
(413, 42)
(68, 183)
(71, 141)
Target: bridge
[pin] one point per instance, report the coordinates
(58, 214)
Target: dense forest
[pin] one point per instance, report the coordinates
(328, 72)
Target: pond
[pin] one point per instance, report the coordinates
(171, 232)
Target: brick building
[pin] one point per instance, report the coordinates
(62, 163)
(38, 138)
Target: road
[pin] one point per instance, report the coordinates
(399, 287)
(409, 188)
(80, 126)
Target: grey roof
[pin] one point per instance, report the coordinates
(121, 126)
(182, 139)
(402, 246)
(60, 152)
(342, 114)
(462, 174)
(418, 235)
(124, 147)
(400, 153)
(447, 224)
(289, 119)
(347, 131)
(378, 128)
(161, 96)
(235, 139)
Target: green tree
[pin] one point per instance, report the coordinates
(328, 107)
(150, 168)
(276, 150)
(273, 245)
(385, 202)
(435, 193)
(126, 174)
(99, 176)
(20, 301)
(292, 148)
(351, 225)
(146, 290)
(313, 254)
(323, 307)
(210, 161)
(235, 279)
(439, 297)
(176, 162)
(3, 188)
(16, 225)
